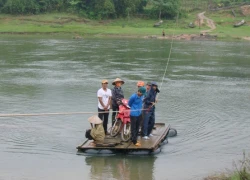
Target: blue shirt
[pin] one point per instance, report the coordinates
(135, 103)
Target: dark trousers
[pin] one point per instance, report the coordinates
(141, 123)
(114, 109)
(87, 134)
(135, 123)
(104, 116)
(149, 121)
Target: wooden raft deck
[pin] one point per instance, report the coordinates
(160, 133)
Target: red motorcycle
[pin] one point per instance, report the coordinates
(122, 121)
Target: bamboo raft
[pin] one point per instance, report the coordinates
(116, 145)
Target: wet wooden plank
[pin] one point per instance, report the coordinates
(108, 140)
(159, 133)
(153, 141)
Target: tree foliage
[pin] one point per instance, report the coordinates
(32, 6)
(126, 7)
(96, 9)
(166, 8)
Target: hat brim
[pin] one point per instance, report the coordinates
(142, 92)
(118, 81)
(94, 120)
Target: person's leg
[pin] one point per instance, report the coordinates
(141, 123)
(151, 122)
(105, 121)
(133, 129)
(145, 122)
(100, 114)
(137, 125)
(149, 125)
(87, 134)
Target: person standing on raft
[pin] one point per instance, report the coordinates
(135, 103)
(117, 95)
(104, 100)
(139, 85)
(149, 110)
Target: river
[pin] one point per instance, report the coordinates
(205, 95)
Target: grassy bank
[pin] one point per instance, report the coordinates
(224, 21)
(241, 171)
(78, 26)
(65, 23)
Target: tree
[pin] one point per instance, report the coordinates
(126, 7)
(166, 7)
(33, 6)
(20, 7)
(96, 9)
(2, 2)
(104, 8)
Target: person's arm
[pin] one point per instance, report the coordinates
(100, 100)
(93, 132)
(109, 102)
(97, 132)
(121, 93)
(113, 94)
(131, 100)
(118, 94)
(99, 95)
(148, 98)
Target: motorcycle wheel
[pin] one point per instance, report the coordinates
(126, 132)
(116, 128)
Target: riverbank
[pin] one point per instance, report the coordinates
(78, 27)
(241, 171)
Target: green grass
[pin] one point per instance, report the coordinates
(62, 23)
(225, 20)
(241, 171)
(233, 176)
(56, 23)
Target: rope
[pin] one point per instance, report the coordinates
(60, 113)
(170, 51)
(169, 55)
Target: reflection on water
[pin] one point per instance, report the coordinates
(121, 167)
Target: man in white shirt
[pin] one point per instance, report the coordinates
(104, 100)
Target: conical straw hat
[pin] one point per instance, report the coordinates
(118, 80)
(95, 120)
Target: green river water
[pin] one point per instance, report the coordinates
(205, 96)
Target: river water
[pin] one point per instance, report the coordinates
(205, 96)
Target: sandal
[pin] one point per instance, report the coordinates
(138, 144)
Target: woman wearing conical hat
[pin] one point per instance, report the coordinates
(97, 131)
(117, 95)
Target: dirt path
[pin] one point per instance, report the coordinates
(210, 22)
(247, 38)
